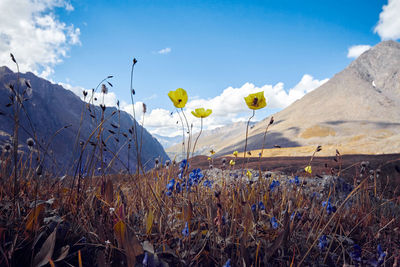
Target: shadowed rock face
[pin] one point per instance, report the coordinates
(51, 107)
(358, 107)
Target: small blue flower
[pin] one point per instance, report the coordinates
(296, 180)
(274, 184)
(381, 254)
(183, 164)
(253, 207)
(261, 205)
(145, 259)
(171, 184)
(295, 215)
(227, 263)
(208, 183)
(178, 187)
(185, 231)
(223, 220)
(323, 242)
(329, 208)
(355, 255)
(196, 176)
(168, 193)
(274, 223)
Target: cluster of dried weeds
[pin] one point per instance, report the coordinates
(146, 218)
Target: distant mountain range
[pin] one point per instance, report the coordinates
(356, 111)
(50, 107)
(167, 141)
(211, 139)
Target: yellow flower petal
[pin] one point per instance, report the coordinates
(179, 97)
(232, 162)
(256, 101)
(249, 174)
(235, 153)
(308, 169)
(201, 113)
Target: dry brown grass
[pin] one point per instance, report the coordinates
(317, 131)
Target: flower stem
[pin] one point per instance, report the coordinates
(183, 134)
(135, 136)
(262, 147)
(201, 129)
(245, 144)
(188, 145)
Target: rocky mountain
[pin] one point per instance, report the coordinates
(356, 111)
(48, 108)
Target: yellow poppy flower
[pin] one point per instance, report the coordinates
(256, 101)
(235, 153)
(201, 113)
(308, 169)
(179, 97)
(208, 158)
(212, 151)
(232, 162)
(249, 174)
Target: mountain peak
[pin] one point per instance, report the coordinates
(389, 43)
(5, 69)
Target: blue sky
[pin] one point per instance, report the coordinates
(208, 46)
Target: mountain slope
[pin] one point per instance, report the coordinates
(211, 139)
(359, 108)
(51, 107)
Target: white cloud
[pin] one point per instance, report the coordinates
(388, 26)
(229, 106)
(30, 30)
(165, 50)
(356, 50)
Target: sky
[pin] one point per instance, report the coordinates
(218, 51)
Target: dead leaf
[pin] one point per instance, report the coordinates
(120, 231)
(63, 253)
(149, 222)
(33, 217)
(46, 251)
(108, 192)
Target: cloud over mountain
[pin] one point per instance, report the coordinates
(30, 30)
(388, 26)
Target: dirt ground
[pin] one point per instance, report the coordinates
(387, 167)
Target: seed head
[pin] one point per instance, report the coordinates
(104, 89)
(30, 142)
(13, 58)
(7, 147)
(28, 84)
(271, 121)
(39, 170)
(103, 107)
(144, 108)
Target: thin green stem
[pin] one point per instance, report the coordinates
(201, 129)
(183, 134)
(245, 144)
(135, 137)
